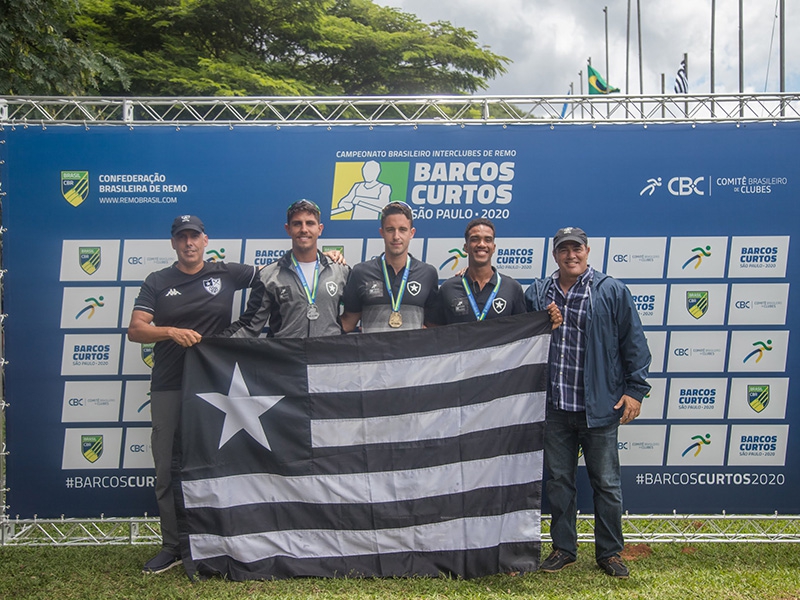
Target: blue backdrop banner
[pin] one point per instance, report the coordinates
(696, 219)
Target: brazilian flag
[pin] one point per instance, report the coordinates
(597, 84)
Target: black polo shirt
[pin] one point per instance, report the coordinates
(454, 305)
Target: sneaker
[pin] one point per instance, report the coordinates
(163, 561)
(557, 560)
(614, 566)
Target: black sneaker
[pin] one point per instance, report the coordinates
(163, 561)
(614, 566)
(557, 560)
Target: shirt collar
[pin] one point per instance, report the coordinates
(586, 276)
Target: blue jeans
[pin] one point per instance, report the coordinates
(564, 432)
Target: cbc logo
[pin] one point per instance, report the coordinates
(75, 401)
(681, 352)
(622, 445)
(742, 304)
(135, 260)
(138, 448)
(620, 258)
(685, 186)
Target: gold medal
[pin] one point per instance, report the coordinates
(395, 320)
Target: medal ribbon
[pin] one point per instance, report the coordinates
(468, 288)
(311, 294)
(395, 303)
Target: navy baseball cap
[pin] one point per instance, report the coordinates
(570, 234)
(185, 222)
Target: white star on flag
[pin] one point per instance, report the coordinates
(242, 411)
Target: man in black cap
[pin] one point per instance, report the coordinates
(598, 368)
(175, 308)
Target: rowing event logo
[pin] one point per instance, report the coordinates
(699, 442)
(697, 303)
(758, 397)
(454, 254)
(362, 189)
(148, 356)
(75, 186)
(697, 257)
(758, 353)
(214, 255)
(92, 447)
(89, 258)
(91, 305)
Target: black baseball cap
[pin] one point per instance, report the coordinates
(185, 222)
(570, 234)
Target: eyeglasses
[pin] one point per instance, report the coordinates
(397, 204)
(303, 204)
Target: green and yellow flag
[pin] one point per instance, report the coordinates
(597, 84)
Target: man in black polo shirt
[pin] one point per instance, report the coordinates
(176, 308)
(395, 290)
(481, 292)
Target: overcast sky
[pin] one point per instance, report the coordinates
(549, 41)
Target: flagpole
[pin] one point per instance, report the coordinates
(580, 78)
(605, 12)
(641, 77)
(741, 56)
(713, 24)
(783, 52)
(628, 48)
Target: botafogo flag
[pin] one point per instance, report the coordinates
(387, 454)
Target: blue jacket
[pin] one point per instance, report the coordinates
(617, 356)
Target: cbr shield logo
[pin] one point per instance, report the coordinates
(75, 186)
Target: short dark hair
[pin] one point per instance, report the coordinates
(302, 206)
(475, 223)
(397, 208)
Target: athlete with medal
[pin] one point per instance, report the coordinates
(298, 295)
(481, 292)
(393, 291)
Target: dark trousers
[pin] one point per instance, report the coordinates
(564, 432)
(165, 408)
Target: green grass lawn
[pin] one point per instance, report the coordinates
(700, 572)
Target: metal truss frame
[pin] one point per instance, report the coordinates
(673, 528)
(397, 111)
(400, 110)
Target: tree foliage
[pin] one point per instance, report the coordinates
(39, 57)
(235, 48)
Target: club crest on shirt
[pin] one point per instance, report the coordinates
(332, 288)
(414, 287)
(499, 305)
(213, 285)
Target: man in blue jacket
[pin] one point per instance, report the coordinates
(597, 378)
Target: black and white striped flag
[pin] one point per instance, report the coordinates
(389, 454)
(681, 83)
